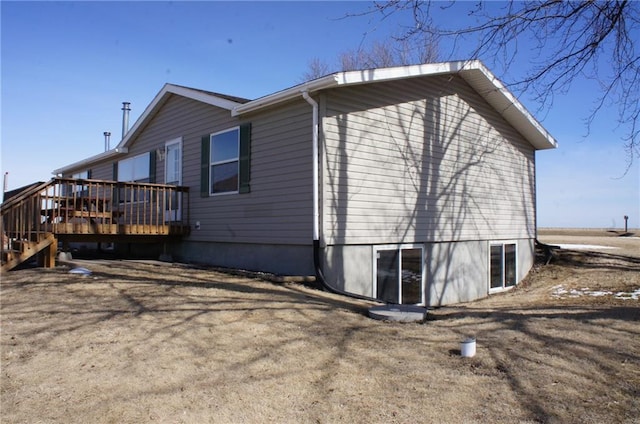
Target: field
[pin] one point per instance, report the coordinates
(138, 342)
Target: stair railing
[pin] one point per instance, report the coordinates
(87, 206)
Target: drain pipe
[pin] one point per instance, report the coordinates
(316, 215)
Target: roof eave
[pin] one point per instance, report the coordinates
(349, 78)
(288, 94)
(91, 160)
(162, 95)
(157, 101)
(502, 100)
(473, 71)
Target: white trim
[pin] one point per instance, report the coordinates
(150, 110)
(90, 160)
(376, 248)
(145, 155)
(163, 95)
(178, 141)
(211, 164)
(502, 243)
(473, 72)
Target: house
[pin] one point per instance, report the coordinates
(412, 184)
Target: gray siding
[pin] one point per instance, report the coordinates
(274, 258)
(422, 160)
(278, 208)
(455, 272)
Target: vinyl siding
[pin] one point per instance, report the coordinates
(279, 207)
(277, 210)
(422, 160)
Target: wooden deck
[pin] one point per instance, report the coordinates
(66, 209)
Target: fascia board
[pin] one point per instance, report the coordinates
(91, 160)
(351, 78)
(157, 101)
(401, 72)
(503, 101)
(473, 71)
(202, 97)
(288, 94)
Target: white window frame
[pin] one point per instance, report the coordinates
(84, 175)
(79, 189)
(147, 159)
(134, 159)
(502, 243)
(400, 247)
(212, 163)
(175, 214)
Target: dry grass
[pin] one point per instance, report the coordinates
(148, 342)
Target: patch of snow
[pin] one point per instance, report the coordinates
(583, 246)
(634, 295)
(559, 291)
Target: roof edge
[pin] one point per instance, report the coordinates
(179, 90)
(352, 78)
(328, 81)
(509, 106)
(488, 86)
(96, 158)
(157, 101)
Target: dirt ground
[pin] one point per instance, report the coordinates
(141, 342)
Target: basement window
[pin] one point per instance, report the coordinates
(502, 266)
(398, 274)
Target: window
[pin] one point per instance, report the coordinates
(76, 188)
(84, 175)
(135, 169)
(398, 275)
(502, 266)
(224, 162)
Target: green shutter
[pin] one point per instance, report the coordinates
(88, 174)
(245, 158)
(152, 166)
(205, 152)
(115, 171)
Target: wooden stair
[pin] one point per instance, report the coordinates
(34, 218)
(21, 251)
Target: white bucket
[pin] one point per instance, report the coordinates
(468, 347)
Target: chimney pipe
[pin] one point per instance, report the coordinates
(5, 186)
(107, 141)
(125, 118)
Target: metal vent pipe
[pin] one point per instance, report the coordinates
(125, 117)
(107, 141)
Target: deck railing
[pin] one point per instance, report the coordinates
(95, 207)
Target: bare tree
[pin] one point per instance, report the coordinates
(573, 40)
(317, 68)
(421, 48)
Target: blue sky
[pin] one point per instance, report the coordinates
(66, 68)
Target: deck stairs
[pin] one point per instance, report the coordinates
(36, 218)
